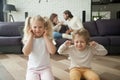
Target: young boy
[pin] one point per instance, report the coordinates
(81, 54)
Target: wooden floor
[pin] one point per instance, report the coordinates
(108, 67)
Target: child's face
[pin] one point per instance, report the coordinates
(80, 43)
(38, 28)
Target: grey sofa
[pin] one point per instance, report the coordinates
(10, 37)
(105, 32)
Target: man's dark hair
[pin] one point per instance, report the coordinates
(68, 13)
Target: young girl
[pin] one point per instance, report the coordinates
(81, 54)
(38, 46)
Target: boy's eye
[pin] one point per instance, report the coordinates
(76, 41)
(82, 42)
(79, 42)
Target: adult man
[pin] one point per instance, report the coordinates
(73, 22)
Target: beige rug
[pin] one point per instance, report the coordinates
(4, 74)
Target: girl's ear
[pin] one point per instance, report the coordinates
(29, 28)
(46, 28)
(44, 31)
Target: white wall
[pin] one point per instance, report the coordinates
(33, 7)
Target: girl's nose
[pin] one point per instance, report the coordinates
(37, 29)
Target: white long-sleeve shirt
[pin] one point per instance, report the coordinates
(75, 23)
(57, 28)
(81, 58)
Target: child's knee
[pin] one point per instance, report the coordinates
(75, 74)
(95, 76)
(91, 75)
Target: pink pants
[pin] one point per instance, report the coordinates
(45, 74)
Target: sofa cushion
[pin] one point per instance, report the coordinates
(91, 27)
(10, 28)
(108, 27)
(114, 40)
(21, 30)
(101, 40)
(5, 41)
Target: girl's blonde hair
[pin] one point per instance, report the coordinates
(29, 21)
(82, 32)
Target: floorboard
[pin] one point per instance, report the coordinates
(108, 67)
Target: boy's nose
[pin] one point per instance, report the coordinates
(79, 43)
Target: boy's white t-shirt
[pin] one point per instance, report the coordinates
(39, 58)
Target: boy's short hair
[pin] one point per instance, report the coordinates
(82, 32)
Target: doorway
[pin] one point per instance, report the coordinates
(3, 15)
(1, 11)
(105, 9)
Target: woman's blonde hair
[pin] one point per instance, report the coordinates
(82, 32)
(29, 21)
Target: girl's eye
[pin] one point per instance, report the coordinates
(40, 27)
(76, 41)
(82, 41)
(34, 26)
